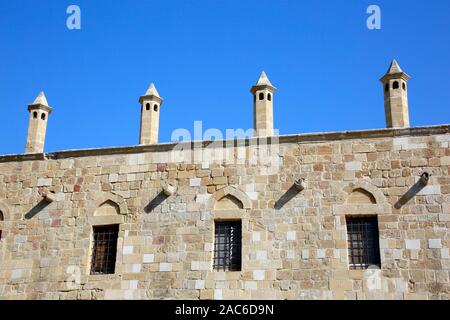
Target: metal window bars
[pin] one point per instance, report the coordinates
(105, 249)
(363, 242)
(227, 246)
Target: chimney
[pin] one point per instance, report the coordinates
(396, 97)
(37, 127)
(263, 92)
(150, 107)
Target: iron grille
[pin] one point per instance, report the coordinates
(105, 249)
(227, 246)
(363, 242)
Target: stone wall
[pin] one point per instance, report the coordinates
(294, 244)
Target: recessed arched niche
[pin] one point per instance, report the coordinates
(361, 196)
(108, 208)
(229, 202)
(357, 211)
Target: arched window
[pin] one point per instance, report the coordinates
(228, 232)
(269, 97)
(261, 96)
(35, 115)
(147, 106)
(386, 87)
(105, 237)
(404, 86)
(43, 116)
(395, 85)
(155, 107)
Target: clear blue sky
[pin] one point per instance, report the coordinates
(205, 55)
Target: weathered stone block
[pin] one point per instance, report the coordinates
(435, 243)
(412, 244)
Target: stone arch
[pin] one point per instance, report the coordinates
(4, 212)
(228, 202)
(230, 205)
(367, 189)
(109, 201)
(361, 196)
(231, 195)
(107, 208)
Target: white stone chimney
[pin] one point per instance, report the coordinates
(150, 107)
(37, 127)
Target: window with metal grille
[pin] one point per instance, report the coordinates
(363, 242)
(105, 249)
(227, 246)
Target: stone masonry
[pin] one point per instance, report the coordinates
(298, 251)
(294, 242)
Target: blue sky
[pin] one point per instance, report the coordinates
(205, 55)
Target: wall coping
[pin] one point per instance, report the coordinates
(297, 138)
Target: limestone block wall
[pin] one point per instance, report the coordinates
(294, 244)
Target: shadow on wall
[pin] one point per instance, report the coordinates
(415, 189)
(155, 202)
(36, 209)
(285, 198)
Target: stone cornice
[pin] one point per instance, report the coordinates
(301, 138)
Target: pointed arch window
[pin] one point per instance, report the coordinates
(105, 236)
